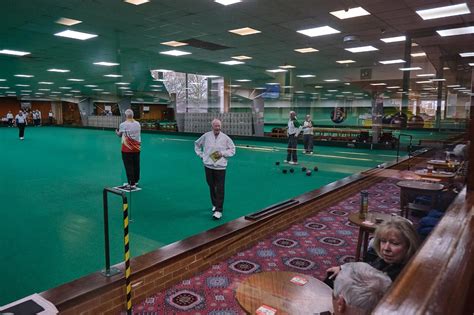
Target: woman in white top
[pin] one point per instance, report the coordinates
(21, 123)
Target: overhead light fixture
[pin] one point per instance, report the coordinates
(347, 83)
(58, 70)
(422, 82)
(453, 85)
(4, 87)
(471, 64)
(24, 75)
(345, 61)
(332, 91)
(276, 70)
(394, 39)
(440, 12)
(76, 80)
(393, 87)
(378, 84)
(67, 22)
(318, 86)
(113, 75)
(106, 64)
(306, 50)
(174, 43)
(458, 88)
(467, 54)
(390, 62)
(242, 57)
(122, 83)
(421, 54)
(211, 76)
(273, 83)
(306, 76)
(162, 70)
(175, 53)
(361, 49)
(287, 86)
(243, 80)
(234, 85)
(14, 52)
(319, 31)
(456, 31)
(350, 13)
(437, 80)
(3, 80)
(331, 80)
(22, 85)
(426, 75)
(410, 69)
(287, 67)
(65, 87)
(75, 35)
(90, 85)
(46, 82)
(232, 62)
(227, 2)
(245, 31)
(97, 90)
(136, 2)
(124, 87)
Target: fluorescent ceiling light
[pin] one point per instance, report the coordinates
(426, 75)
(458, 88)
(347, 83)
(175, 53)
(299, 92)
(2, 80)
(393, 87)
(318, 86)
(347, 92)
(227, 2)
(113, 75)
(306, 76)
(124, 87)
(163, 70)
(273, 83)
(243, 80)
(378, 84)
(390, 62)
(67, 21)
(306, 50)
(4, 87)
(361, 49)
(24, 75)
(106, 64)
(90, 85)
(331, 80)
(394, 39)
(123, 83)
(456, 31)
(277, 70)
(440, 12)
(14, 52)
(345, 61)
(453, 86)
(287, 67)
(319, 31)
(75, 91)
(234, 85)
(437, 80)
(467, 54)
(65, 87)
(105, 92)
(46, 82)
(174, 43)
(350, 13)
(287, 86)
(471, 64)
(58, 70)
(242, 57)
(22, 85)
(211, 76)
(75, 35)
(245, 31)
(422, 54)
(155, 86)
(136, 2)
(76, 80)
(97, 90)
(422, 82)
(410, 69)
(332, 91)
(232, 62)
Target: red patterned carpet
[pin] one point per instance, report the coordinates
(310, 247)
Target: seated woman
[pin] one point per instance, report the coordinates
(395, 242)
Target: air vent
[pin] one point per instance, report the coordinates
(193, 42)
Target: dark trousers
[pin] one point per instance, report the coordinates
(308, 142)
(216, 181)
(292, 143)
(21, 128)
(10, 122)
(131, 161)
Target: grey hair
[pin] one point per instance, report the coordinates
(215, 120)
(361, 285)
(129, 113)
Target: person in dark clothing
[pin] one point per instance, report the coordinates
(395, 242)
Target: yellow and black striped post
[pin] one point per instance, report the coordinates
(127, 256)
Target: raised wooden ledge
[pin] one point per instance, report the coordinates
(440, 278)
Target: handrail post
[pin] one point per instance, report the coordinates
(108, 272)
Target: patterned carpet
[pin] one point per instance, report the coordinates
(310, 247)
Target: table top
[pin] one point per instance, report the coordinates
(370, 223)
(276, 290)
(435, 174)
(413, 184)
(443, 163)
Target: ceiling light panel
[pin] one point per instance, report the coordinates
(174, 43)
(350, 13)
(106, 64)
(319, 31)
(242, 57)
(227, 2)
(306, 76)
(467, 54)
(410, 69)
(67, 22)
(345, 61)
(232, 62)
(306, 50)
(245, 31)
(390, 62)
(361, 49)
(394, 39)
(175, 53)
(136, 2)
(14, 52)
(277, 70)
(58, 70)
(421, 54)
(75, 35)
(441, 12)
(456, 31)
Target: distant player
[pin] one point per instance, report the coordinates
(294, 129)
(20, 120)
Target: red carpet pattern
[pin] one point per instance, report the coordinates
(309, 247)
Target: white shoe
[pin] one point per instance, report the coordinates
(213, 209)
(293, 163)
(217, 215)
(285, 161)
(125, 184)
(21, 138)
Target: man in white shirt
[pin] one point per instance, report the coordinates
(308, 135)
(51, 117)
(294, 129)
(10, 118)
(214, 148)
(130, 131)
(21, 123)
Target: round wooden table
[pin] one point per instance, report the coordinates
(409, 189)
(366, 227)
(275, 289)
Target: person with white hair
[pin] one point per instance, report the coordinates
(214, 148)
(294, 129)
(358, 288)
(308, 135)
(130, 131)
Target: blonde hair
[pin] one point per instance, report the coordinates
(407, 232)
